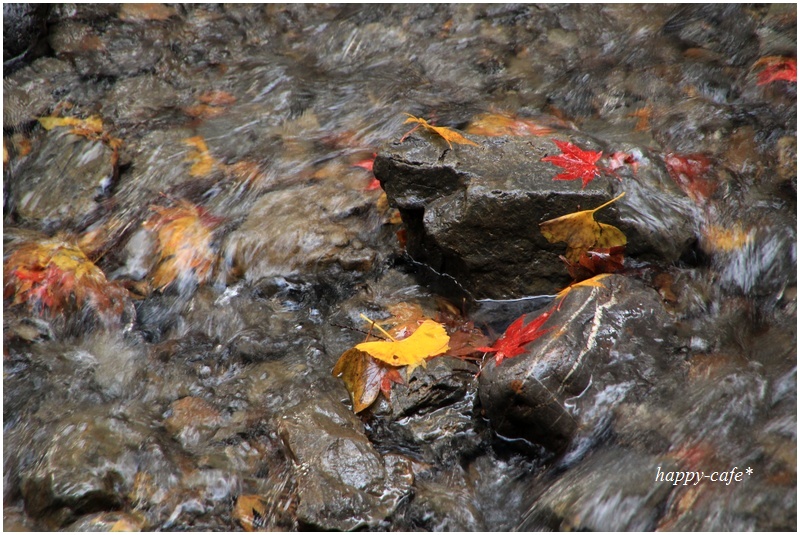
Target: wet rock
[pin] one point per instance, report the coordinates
(613, 490)
(87, 463)
(24, 27)
(31, 92)
(607, 344)
(444, 506)
(309, 230)
(473, 212)
(342, 482)
(86, 170)
(139, 98)
(192, 420)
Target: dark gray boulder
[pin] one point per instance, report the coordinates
(473, 213)
(605, 344)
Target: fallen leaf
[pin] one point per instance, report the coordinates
(93, 124)
(251, 512)
(725, 239)
(184, 234)
(596, 261)
(204, 163)
(777, 68)
(577, 163)
(500, 124)
(619, 159)
(367, 165)
(690, 173)
(429, 340)
(516, 337)
(581, 232)
(53, 274)
(361, 375)
(451, 136)
(217, 97)
(643, 118)
(594, 282)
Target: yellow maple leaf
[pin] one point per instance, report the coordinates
(581, 232)
(451, 136)
(429, 340)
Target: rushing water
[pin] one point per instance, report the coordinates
(265, 116)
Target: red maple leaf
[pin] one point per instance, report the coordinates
(367, 166)
(778, 69)
(516, 337)
(577, 163)
(390, 375)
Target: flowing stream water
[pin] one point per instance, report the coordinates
(171, 411)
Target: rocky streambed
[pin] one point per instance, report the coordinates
(195, 221)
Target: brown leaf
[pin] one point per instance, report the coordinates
(364, 377)
(451, 136)
(581, 232)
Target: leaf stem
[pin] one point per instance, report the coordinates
(618, 197)
(373, 324)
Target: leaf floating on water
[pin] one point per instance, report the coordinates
(451, 136)
(577, 163)
(184, 234)
(93, 124)
(581, 232)
(204, 163)
(429, 340)
(516, 337)
(54, 273)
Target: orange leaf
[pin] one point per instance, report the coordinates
(251, 512)
(184, 235)
(204, 163)
(500, 124)
(451, 136)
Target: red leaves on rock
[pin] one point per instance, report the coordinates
(577, 163)
(513, 341)
(596, 261)
(777, 68)
(56, 275)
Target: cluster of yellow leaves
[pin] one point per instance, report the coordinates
(185, 234)
(370, 368)
(55, 274)
(451, 136)
(91, 128)
(581, 232)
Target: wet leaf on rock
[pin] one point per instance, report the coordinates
(594, 282)
(184, 234)
(581, 232)
(202, 161)
(364, 377)
(451, 136)
(596, 261)
(577, 163)
(517, 336)
(429, 340)
(54, 273)
(689, 172)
